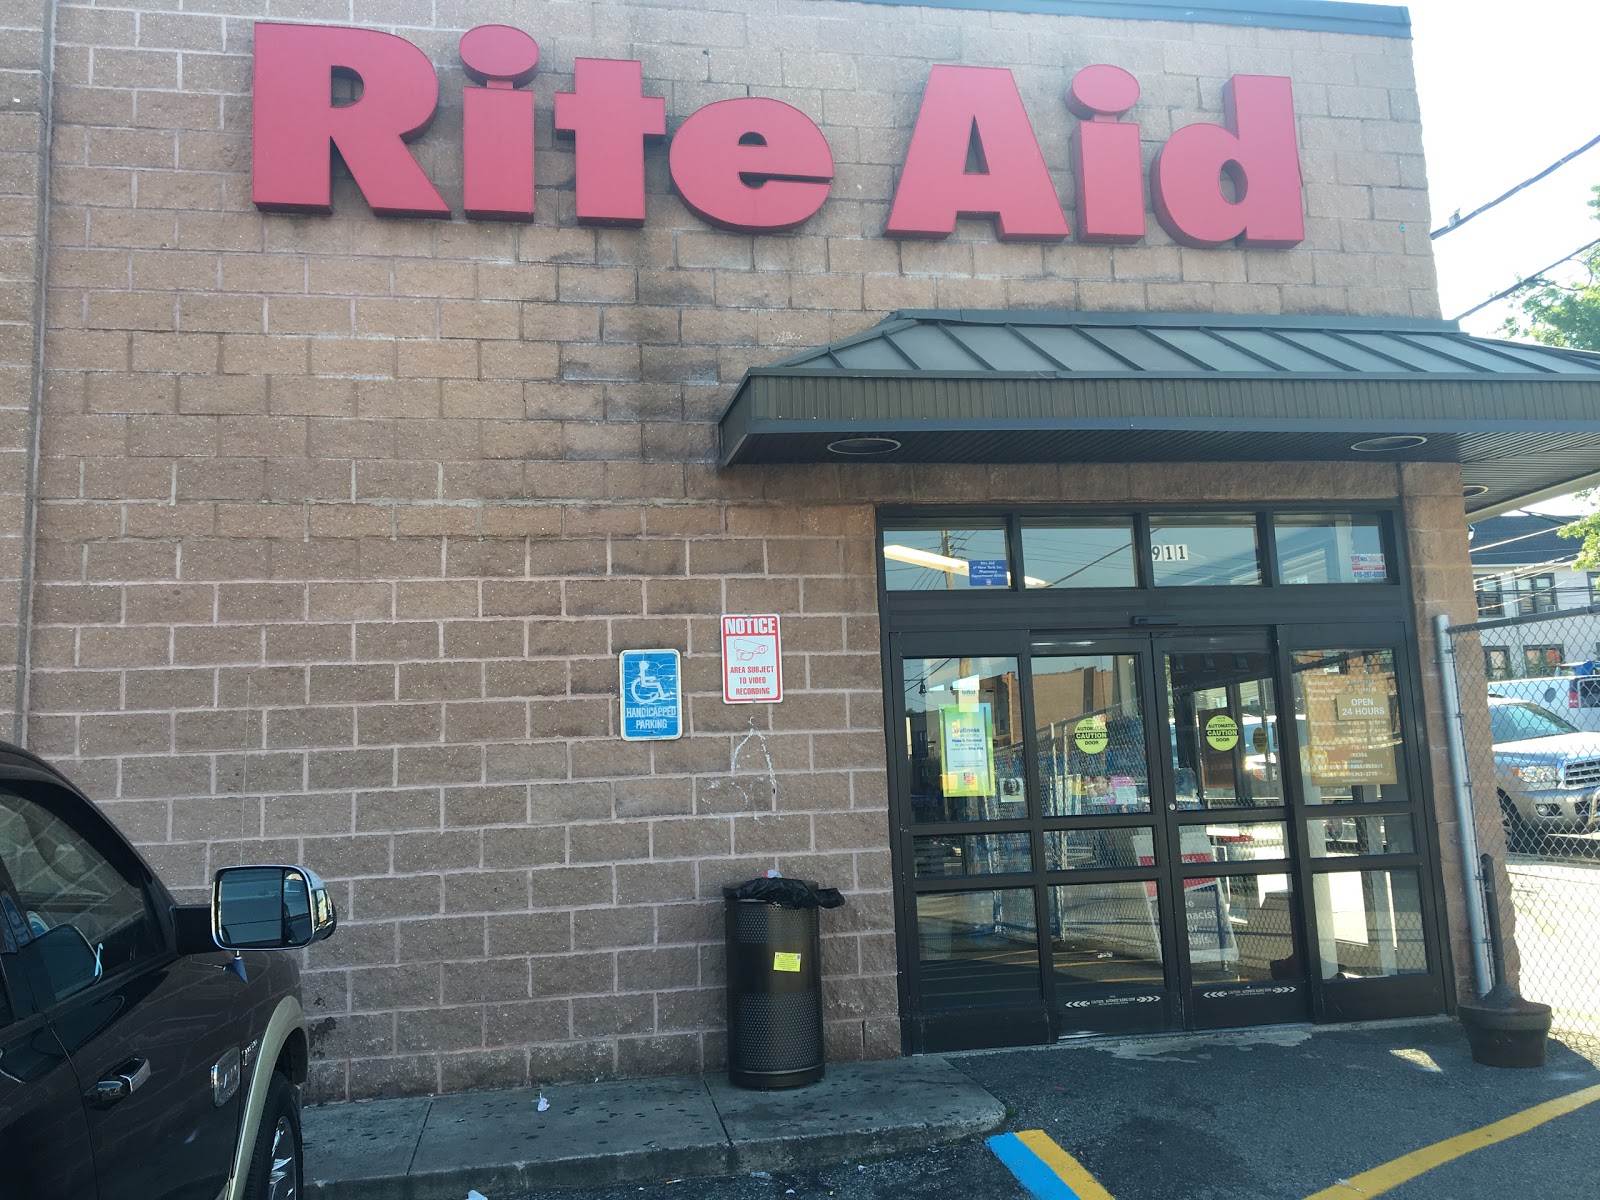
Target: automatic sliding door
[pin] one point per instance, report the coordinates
(1110, 958)
(1228, 833)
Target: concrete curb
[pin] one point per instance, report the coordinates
(437, 1148)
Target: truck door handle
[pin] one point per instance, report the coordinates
(121, 1083)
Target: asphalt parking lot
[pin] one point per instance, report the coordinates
(1273, 1114)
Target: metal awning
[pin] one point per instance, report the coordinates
(965, 386)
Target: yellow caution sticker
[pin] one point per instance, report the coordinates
(786, 962)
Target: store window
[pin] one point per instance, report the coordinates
(1594, 587)
(1347, 712)
(1539, 661)
(1204, 551)
(1329, 548)
(1369, 924)
(964, 731)
(1091, 735)
(1090, 553)
(951, 558)
(1497, 663)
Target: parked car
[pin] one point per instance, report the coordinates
(142, 1055)
(1575, 696)
(1546, 769)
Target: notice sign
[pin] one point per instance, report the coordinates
(1350, 730)
(652, 695)
(752, 660)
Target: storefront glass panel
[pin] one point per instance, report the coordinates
(1259, 841)
(1239, 929)
(978, 947)
(1347, 713)
(971, 556)
(1329, 548)
(956, 855)
(1089, 553)
(1348, 837)
(1369, 923)
(1097, 849)
(964, 739)
(1204, 551)
(1224, 729)
(1105, 936)
(1090, 739)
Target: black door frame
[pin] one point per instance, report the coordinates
(1298, 616)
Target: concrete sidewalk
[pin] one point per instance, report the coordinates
(635, 1131)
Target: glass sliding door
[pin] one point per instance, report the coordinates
(1228, 832)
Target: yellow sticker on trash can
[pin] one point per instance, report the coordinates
(786, 962)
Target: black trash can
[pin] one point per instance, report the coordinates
(775, 982)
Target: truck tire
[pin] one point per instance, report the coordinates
(275, 1163)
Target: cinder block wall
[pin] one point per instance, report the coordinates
(343, 520)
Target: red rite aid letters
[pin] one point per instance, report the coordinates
(752, 659)
(757, 165)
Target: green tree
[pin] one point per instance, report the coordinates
(1567, 315)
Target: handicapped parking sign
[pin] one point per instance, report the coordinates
(652, 695)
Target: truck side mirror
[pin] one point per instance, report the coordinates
(270, 908)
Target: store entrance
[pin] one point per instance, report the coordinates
(1114, 834)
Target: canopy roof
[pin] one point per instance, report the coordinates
(966, 386)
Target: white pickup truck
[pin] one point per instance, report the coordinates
(1574, 697)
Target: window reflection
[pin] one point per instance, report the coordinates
(1369, 923)
(1105, 935)
(955, 855)
(1224, 737)
(1347, 709)
(955, 559)
(1089, 553)
(1240, 929)
(1347, 837)
(1091, 736)
(1329, 548)
(964, 737)
(978, 948)
(1204, 551)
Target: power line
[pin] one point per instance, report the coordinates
(1529, 280)
(1456, 222)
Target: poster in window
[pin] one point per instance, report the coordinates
(967, 749)
(1350, 731)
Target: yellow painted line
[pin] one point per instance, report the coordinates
(1063, 1164)
(1408, 1166)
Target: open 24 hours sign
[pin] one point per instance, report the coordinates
(752, 659)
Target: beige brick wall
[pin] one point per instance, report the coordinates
(343, 520)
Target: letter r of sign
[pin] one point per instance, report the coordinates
(297, 125)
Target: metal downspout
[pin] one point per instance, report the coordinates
(1461, 787)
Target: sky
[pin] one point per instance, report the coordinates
(1506, 89)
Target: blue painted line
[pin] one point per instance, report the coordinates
(1032, 1172)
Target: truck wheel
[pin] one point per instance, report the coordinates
(1518, 836)
(275, 1163)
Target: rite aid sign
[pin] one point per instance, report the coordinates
(758, 165)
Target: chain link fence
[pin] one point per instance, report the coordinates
(1529, 714)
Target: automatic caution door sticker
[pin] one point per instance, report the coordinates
(1222, 731)
(1090, 734)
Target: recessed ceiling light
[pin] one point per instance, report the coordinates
(863, 447)
(1475, 489)
(1397, 441)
